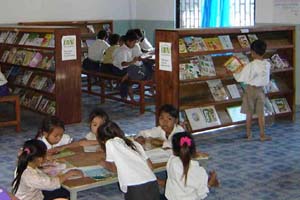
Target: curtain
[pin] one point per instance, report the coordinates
(216, 13)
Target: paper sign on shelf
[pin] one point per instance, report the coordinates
(165, 56)
(68, 47)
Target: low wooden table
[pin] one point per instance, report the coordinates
(17, 121)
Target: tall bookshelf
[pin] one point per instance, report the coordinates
(88, 29)
(53, 83)
(192, 93)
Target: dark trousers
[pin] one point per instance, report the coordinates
(90, 65)
(124, 85)
(58, 193)
(146, 191)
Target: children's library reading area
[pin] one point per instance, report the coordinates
(149, 100)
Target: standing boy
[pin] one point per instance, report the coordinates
(255, 75)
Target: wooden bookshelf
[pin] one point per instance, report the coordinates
(64, 75)
(194, 92)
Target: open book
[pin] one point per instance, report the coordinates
(234, 64)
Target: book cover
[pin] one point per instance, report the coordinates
(35, 100)
(158, 155)
(23, 38)
(278, 62)
(200, 43)
(19, 57)
(36, 59)
(233, 91)
(210, 115)
(4, 56)
(90, 28)
(235, 113)
(217, 90)
(225, 41)
(35, 81)
(191, 44)
(26, 77)
(182, 47)
(195, 118)
(48, 85)
(280, 105)
(46, 40)
(64, 153)
(96, 172)
(31, 39)
(28, 57)
(233, 64)
(11, 38)
(11, 55)
(3, 36)
(206, 66)
(243, 41)
(51, 108)
(271, 87)
(43, 105)
(242, 57)
(252, 37)
(213, 44)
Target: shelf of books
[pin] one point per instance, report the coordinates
(42, 66)
(194, 75)
(88, 30)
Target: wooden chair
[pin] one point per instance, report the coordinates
(17, 121)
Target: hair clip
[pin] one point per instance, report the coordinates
(27, 150)
(186, 140)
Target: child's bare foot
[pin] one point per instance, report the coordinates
(265, 138)
(213, 180)
(248, 136)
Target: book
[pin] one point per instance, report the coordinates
(225, 41)
(53, 168)
(26, 77)
(46, 40)
(19, 57)
(91, 148)
(90, 28)
(280, 105)
(158, 155)
(11, 38)
(217, 90)
(188, 71)
(242, 57)
(35, 100)
(213, 44)
(233, 91)
(48, 85)
(243, 41)
(43, 104)
(4, 56)
(3, 36)
(252, 37)
(211, 116)
(271, 87)
(200, 44)
(182, 47)
(206, 66)
(96, 172)
(11, 54)
(233, 64)
(36, 59)
(51, 108)
(64, 153)
(194, 44)
(31, 39)
(28, 57)
(23, 38)
(235, 113)
(278, 62)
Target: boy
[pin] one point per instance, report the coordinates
(255, 75)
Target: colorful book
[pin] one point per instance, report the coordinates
(233, 64)
(36, 59)
(233, 91)
(11, 54)
(28, 57)
(217, 90)
(24, 38)
(225, 41)
(96, 172)
(242, 57)
(278, 62)
(243, 41)
(32, 39)
(46, 40)
(206, 66)
(182, 47)
(26, 77)
(213, 44)
(19, 57)
(252, 37)
(200, 44)
(280, 105)
(211, 116)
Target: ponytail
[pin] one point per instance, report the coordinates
(32, 149)
(185, 157)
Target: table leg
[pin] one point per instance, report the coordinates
(73, 195)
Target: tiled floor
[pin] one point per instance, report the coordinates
(247, 170)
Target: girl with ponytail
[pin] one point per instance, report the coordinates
(30, 181)
(186, 179)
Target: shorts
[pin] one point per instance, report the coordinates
(253, 100)
(146, 191)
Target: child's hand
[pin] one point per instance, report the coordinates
(74, 173)
(84, 143)
(140, 140)
(53, 151)
(161, 182)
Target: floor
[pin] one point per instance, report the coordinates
(246, 170)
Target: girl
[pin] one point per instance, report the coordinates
(52, 134)
(129, 160)
(168, 126)
(186, 179)
(29, 180)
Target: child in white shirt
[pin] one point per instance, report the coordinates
(255, 75)
(131, 163)
(186, 179)
(3, 85)
(30, 181)
(162, 134)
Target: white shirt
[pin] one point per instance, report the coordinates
(122, 54)
(3, 80)
(132, 167)
(136, 52)
(33, 181)
(159, 133)
(255, 73)
(65, 139)
(146, 45)
(90, 136)
(97, 49)
(196, 187)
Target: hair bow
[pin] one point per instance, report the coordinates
(27, 150)
(186, 140)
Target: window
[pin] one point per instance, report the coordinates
(214, 13)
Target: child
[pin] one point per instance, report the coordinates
(30, 181)
(186, 179)
(96, 52)
(144, 43)
(52, 134)
(3, 85)
(255, 75)
(168, 126)
(129, 160)
(107, 64)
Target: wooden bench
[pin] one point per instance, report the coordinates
(101, 79)
(17, 121)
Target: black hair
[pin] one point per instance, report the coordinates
(48, 124)
(131, 36)
(184, 150)
(259, 47)
(113, 39)
(139, 32)
(102, 34)
(170, 109)
(110, 130)
(32, 149)
(98, 112)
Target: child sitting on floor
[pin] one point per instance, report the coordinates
(162, 134)
(186, 179)
(131, 163)
(30, 181)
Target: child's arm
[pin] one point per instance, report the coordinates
(69, 174)
(109, 166)
(85, 142)
(213, 180)
(150, 164)
(161, 182)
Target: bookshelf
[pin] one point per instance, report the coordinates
(42, 71)
(88, 29)
(189, 94)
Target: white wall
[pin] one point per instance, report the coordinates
(13, 11)
(263, 11)
(163, 10)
